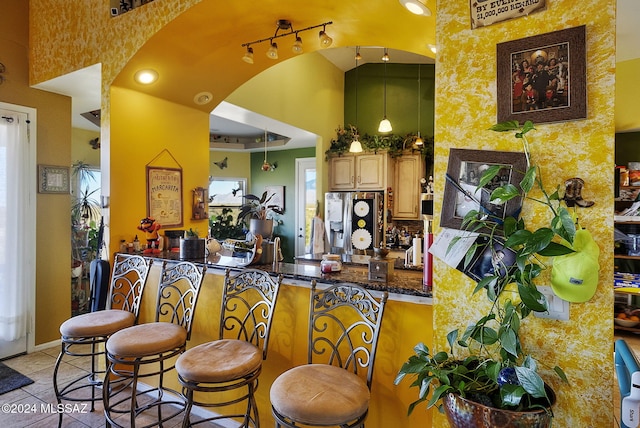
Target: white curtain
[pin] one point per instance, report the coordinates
(17, 237)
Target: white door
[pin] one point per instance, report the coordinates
(17, 227)
(306, 205)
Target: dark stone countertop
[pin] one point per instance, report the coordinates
(402, 281)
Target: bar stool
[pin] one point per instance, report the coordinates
(235, 360)
(91, 330)
(333, 389)
(146, 350)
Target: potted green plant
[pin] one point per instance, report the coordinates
(486, 368)
(260, 212)
(223, 225)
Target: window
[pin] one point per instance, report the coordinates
(226, 192)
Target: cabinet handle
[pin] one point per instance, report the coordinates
(358, 179)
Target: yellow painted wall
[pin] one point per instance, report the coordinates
(147, 130)
(53, 243)
(465, 108)
(239, 164)
(404, 324)
(627, 90)
(295, 92)
(81, 150)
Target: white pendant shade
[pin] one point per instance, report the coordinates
(385, 125)
(355, 147)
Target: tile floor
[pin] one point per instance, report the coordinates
(39, 396)
(36, 400)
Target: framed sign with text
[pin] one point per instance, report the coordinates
(487, 12)
(164, 195)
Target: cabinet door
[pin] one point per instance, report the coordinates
(407, 174)
(370, 172)
(342, 172)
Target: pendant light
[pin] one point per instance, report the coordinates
(266, 166)
(356, 147)
(419, 141)
(385, 125)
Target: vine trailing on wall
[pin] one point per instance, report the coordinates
(394, 144)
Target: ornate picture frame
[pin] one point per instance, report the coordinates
(543, 78)
(53, 179)
(461, 193)
(164, 195)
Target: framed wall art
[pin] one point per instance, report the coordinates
(461, 192)
(164, 195)
(543, 78)
(278, 196)
(53, 179)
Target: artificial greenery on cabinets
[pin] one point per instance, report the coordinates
(394, 144)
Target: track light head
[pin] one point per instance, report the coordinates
(325, 40)
(297, 46)
(248, 55)
(272, 52)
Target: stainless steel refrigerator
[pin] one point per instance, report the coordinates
(353, 221)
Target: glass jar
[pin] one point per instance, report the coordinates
(331, 263)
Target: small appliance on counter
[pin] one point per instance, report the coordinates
(380, 269)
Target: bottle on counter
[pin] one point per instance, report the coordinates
(123, 246)
(136, 244)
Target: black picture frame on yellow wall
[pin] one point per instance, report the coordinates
(543, 78)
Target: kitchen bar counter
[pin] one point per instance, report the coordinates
(406, 282)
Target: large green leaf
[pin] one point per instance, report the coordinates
(531, 382)
(532, 298)
(508, 341)
(488, 175)
(528, 180)
(503, 194)
(555, 249)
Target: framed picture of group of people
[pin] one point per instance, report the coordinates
(543, 78)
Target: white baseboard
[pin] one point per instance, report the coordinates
(47, 345)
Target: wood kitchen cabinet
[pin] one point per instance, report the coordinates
(408, 171)
(358, 172)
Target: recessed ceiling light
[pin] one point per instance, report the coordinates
(203, 98)
(146, 77)
(416, 7)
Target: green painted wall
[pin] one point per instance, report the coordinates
(283, 175)
(402, 98)
(627, 147)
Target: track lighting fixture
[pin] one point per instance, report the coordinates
(297, 45)
(285, 25)
(272, 52)
(385, 57)
(325, 40)
(248, 55)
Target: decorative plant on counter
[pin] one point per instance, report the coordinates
(487, 363)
